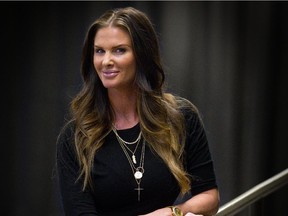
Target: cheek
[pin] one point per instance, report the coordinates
(131, 64)
(96, 64)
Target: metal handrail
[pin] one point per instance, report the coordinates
(259, 191)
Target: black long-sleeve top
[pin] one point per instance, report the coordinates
(114, 191)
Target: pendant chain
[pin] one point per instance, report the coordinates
(120, 140)
(137, 171)
(126, 142)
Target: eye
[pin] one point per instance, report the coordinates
(99, 51)
(120, 51)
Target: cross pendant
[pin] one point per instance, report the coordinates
(139, 191)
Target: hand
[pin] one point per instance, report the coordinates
(160, 212)
(166, 212)
(191, 214)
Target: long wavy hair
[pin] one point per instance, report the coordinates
(161, 121)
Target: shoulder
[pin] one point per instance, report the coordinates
(67, 130)
(180, 102)
(186, 107)
(65, 140)
(191, 114)
(66, 156)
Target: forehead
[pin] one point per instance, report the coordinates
(112, 35)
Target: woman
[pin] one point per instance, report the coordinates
(131, 148)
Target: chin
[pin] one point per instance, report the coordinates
(109, 85)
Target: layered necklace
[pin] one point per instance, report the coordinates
(137, 171)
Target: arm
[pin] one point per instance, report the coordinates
(199, 164)
(205, 203)
(75, 201)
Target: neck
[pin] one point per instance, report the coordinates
(124, 107)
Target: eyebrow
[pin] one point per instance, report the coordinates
(120, 45)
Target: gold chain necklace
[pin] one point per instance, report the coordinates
(129, 143)
(137, 171)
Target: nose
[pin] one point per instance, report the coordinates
(107, 59)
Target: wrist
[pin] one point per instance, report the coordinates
(176, 211)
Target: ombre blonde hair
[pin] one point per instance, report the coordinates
(161, 120)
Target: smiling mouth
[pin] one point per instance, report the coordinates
(110, 74)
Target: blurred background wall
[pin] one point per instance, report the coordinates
(228, 58)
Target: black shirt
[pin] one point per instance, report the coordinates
(114, 184)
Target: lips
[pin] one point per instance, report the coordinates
(110, 73)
